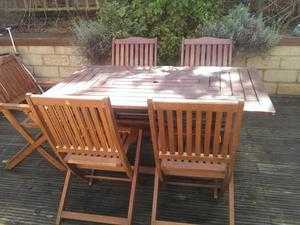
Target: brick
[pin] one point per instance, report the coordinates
(34, 59)
(271, 87)
(67, 50)
(46, 71)
(77, 60)
(56, 60)
(265, 62)
(288, 76)
(41, 49)
(289, 89)
(285, 51)
(290, 63)
(66, 71)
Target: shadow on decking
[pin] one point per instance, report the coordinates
(267, 181)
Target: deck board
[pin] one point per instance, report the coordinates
(267, 181)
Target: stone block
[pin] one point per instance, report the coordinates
(239, 61)
(23, 50)
(9, 49)
(66, 71)
(77, 60)
(32, 59)
(264, 62)
(287, 76)
(290, 63)
(6, 49)
(285, 51)
(67, 50)
(56, 60)
(289, 89)
(271, 87)
(46, 71)
(41, 49)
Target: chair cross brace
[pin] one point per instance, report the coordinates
(34, 143)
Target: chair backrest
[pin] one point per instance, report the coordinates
(206, 51)
(15, 80)
(134, 51)
(195, 131)
(79, 125)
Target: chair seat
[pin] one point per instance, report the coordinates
(90, 161)
(94, 162)
(194, 169)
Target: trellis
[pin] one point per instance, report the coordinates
(49, 5)
(280, 11)
(276, 10)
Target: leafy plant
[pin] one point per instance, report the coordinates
(169, 20)
(94, 38)
(248, 32)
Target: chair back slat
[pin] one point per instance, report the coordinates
(195, 130)
(15, 80)
(79, 125)
(206, 51)
(134, 51)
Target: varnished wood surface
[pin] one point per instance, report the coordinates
(15, 81)
(129, 88)
(206, 51)
(134, 51)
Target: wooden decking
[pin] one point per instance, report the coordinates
(267, 181)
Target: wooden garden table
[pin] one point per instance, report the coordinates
(129, 88)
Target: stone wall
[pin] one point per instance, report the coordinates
(279, 67)
(49, 62)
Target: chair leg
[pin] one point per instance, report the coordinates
(135, 177)
(231, 201)
(91, 179)
(22, 154)
(216, 196)
(51, 159)
(63, 197)
(155, 198)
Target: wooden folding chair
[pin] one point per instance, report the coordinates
(134, 51)
(196, 140)
(15, 82)
(206, 51)
(84, 134)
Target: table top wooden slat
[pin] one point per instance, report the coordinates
(129, 88)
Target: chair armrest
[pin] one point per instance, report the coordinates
(17, 107)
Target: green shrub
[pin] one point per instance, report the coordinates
(169, 20)
(94, 38)
(248, 32)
